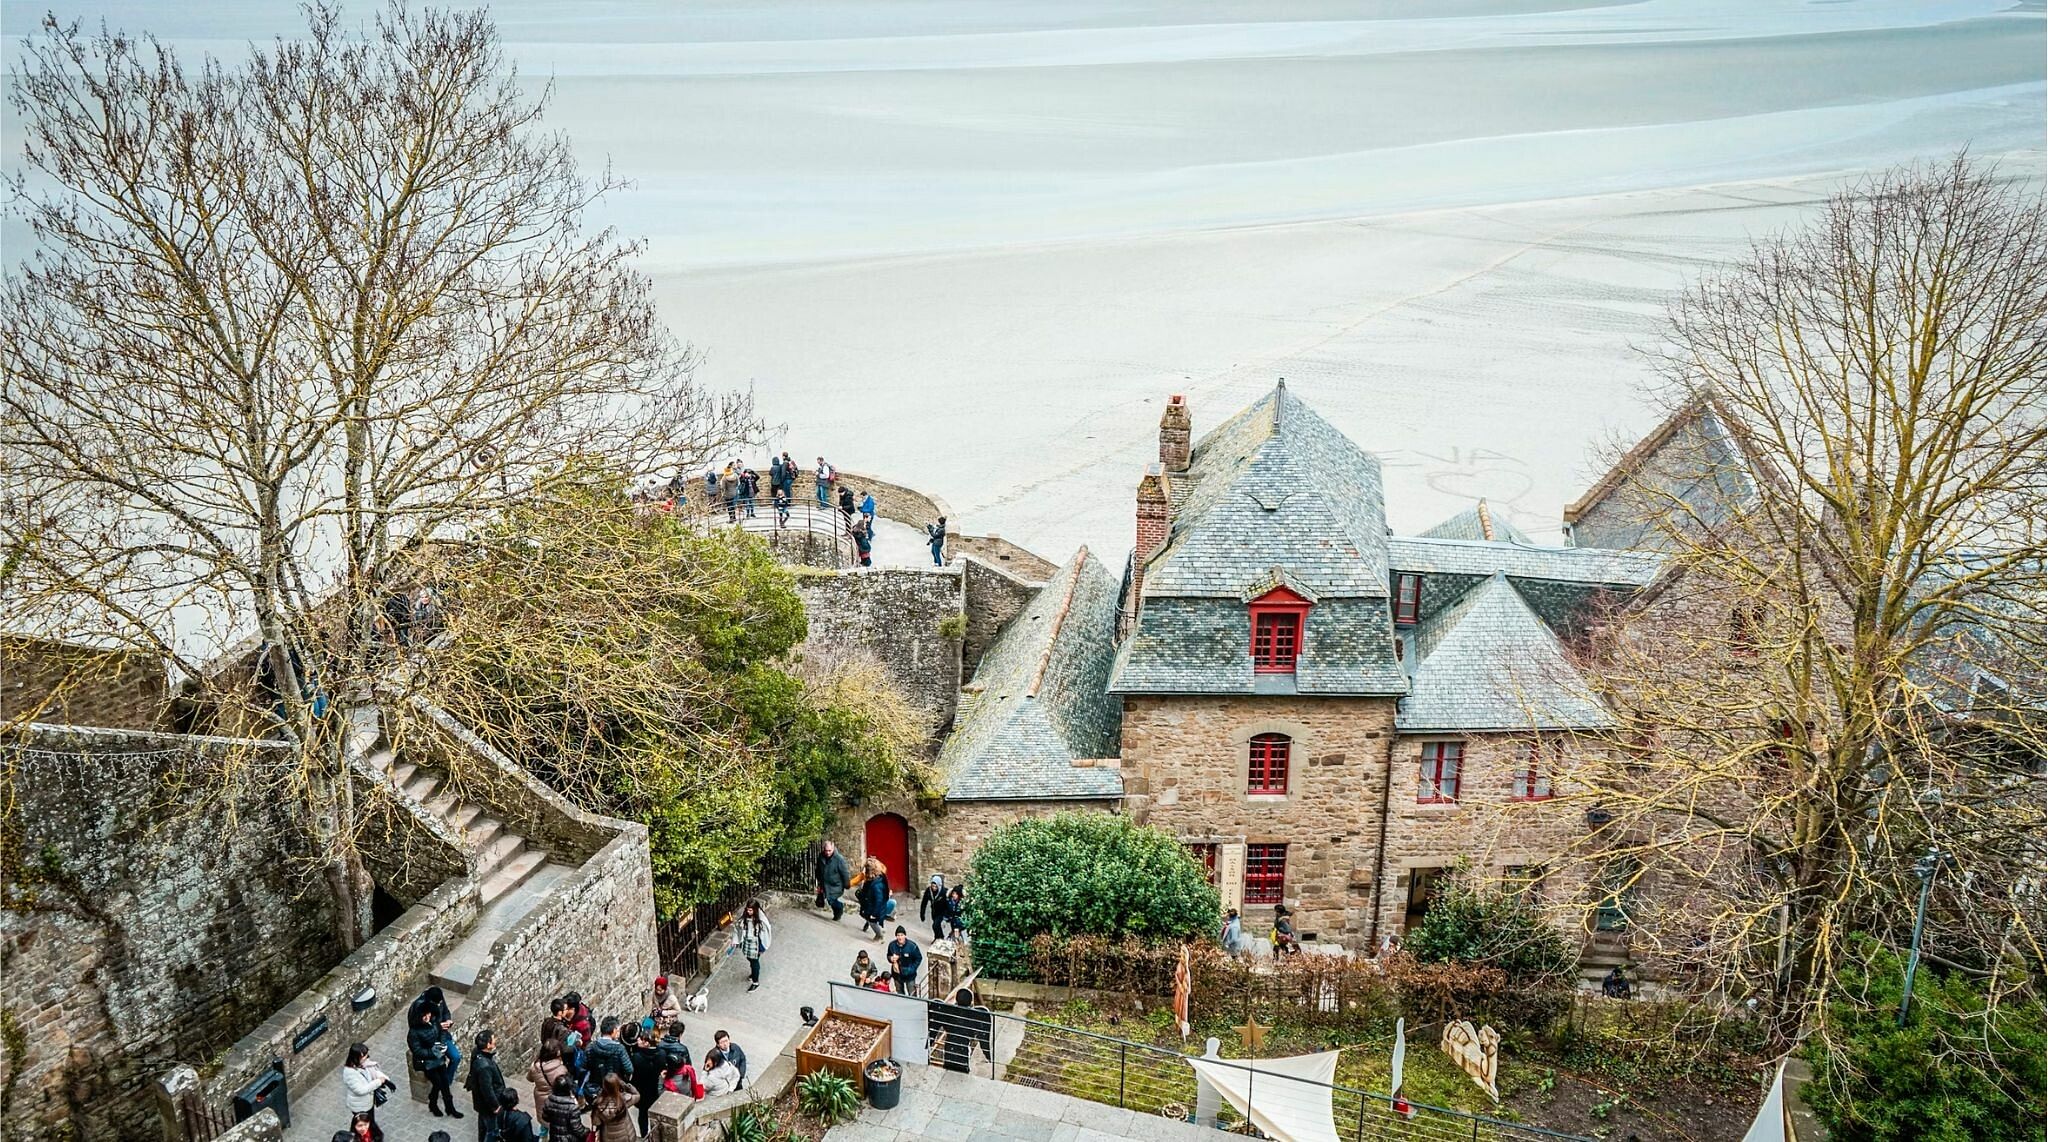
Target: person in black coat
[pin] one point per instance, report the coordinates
(904, 959)
(647, 1071)
(514, 1124)
(486, 1085)
(874, 897)
(427, 1044)
(833, 876)
(935, 902)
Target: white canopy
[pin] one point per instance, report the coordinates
(1293, 1105)
(1770, 1120)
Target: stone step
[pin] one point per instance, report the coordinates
(454, 979)
(403, 772)
(462, 815)
(501, 849)
(443, 803)
(423, 786)
(482, 831)
(381, 760)
(510, 875)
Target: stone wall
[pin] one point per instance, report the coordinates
(526, 805)
(994, 597)
(593, 933)
(892, 614)
(1486, 829)
(1185, 761)
(393, 964)
(160, 901)
(408, 851)
(942, 837)
(64, 683)
(1001, 553)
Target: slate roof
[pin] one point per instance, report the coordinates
(1488, 662)
(1039, 699)
(1274, 486)
(1690, 465)
(1563, 564)
(1203, 646)
(1478, 522)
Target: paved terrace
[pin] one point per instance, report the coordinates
(809, 952)
(944, 1106)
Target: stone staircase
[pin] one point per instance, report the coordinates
(514, 873)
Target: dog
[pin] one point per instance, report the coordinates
(699, 1000)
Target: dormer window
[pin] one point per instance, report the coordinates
(1277, 620)
(1407, 598)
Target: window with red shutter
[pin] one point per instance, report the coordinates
(1407, 597)
(1267, 771)
(1532, 770)
(1206, 853)
(1440, 764)
(1265, 874)
(1277, 619)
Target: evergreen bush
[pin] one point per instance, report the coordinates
(1093, 874)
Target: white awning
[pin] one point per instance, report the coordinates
(1289, 1099)
(1770, 1120)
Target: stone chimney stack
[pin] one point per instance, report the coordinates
(1155, 518)
(1176, 434)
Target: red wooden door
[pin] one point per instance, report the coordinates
(888, 841)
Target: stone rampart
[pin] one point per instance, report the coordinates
(893, 614)
(160, 900)
(64, 683)
(994, 596)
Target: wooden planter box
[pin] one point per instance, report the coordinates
(855, 1070)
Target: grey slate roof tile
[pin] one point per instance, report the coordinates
(1481, 522)
(1040, 699)
(1563, 564)
(1203, 646)
(1487, 662)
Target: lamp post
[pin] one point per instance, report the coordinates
(1924, 868)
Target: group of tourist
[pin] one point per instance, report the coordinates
(945, 908)
(590, 1077)
(738, 486)
(1281, 936)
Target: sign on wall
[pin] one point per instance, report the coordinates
(1230, 874)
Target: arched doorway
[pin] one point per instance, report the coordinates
(888, 841)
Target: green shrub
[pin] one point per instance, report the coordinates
(827, 1097)
(1464, 925)
(1961, 1070)
(747, 1124)
(1082, 874)
(953, 627)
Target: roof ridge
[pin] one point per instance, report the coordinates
(1485, 520)
(1059, 620)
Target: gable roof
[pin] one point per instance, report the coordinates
(1040, 701)
(1478, 522)
(1274, 487)
(1691, 458)
(1487, 662)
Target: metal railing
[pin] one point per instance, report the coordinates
(1158, 1080)
(677, 940)
(803, 519)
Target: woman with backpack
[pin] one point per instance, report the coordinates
(752, 934)
(873, 895)
(431, 1050)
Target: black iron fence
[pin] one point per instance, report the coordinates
(677, 940)
(1159, 1080)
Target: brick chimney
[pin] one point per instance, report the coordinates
(1176, 432)
(1155, 517)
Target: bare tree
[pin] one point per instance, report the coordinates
(288, 315)
(1842, 666)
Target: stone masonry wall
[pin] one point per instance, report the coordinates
(1487, 828)
(63, 683)
(942, 838)
(1185, 761)
(143, 923)
(893, 615)
(593, 933)
(994, 597)
(1000, 553)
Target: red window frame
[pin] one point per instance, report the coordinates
(1278, 618)
(1265, 874)
(1407, 598)
(1205, 852)
(1267, 766)
(1441, 762)
(1745, 629)
(1533, 767)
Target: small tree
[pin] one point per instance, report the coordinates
(1094, 874)
(1874, 1081)
(643, 668)
(1465, 925)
